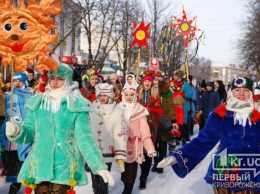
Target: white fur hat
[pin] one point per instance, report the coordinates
(104, 88)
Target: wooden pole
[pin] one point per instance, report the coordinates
(12, 90)
(186, 66)
(138, 63)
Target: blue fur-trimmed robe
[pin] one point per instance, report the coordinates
(20, 97)
(236, 142)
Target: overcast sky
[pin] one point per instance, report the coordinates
(220, 20)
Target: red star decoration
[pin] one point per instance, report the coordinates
(185, 28)
(140, 34)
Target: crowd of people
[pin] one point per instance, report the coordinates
(58, 125)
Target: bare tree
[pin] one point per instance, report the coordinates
(72, 14)
(158, 11)
(249, 45)
(171, 50)
(200, 69)
(128, 13)
(99, 26)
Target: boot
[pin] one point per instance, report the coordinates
(183, 141)
(145, 168)
(128, 188)
(154, 168)
(159, 170)
(14, 188)
(142, 185)
(172, 144)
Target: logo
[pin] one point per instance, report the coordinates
(236, 162)
(236, 170)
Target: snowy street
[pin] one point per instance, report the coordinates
(166, 183)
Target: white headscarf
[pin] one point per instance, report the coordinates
(126, 106)
(60, 92)
(53, 98)
(241, 109)
(134, 83)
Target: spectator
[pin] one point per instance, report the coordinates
(186, 89)
(221, 91)
(163, 89)
(76, 77)
(203, 86)
(7, 87)
(190, 108)
(257, 97)
(209, 100)
(31, 78)
(114, 81)
(89, 81)
(130, 80)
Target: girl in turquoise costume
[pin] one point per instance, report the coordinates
(14, 154)
(236, 126)
(58, 123)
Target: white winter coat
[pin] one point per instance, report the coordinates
(108, 126)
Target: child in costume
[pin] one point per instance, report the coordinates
(149, 97)
(14, 154)
(236, 125)
(109, 129)
(58, 123)
(139, 136)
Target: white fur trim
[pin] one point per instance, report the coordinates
(17, 77)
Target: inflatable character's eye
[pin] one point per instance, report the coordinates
(23, 26)
(7, 27)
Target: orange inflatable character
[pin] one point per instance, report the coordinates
(24, 33)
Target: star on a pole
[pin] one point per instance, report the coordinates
(140, 34)
(185, 28)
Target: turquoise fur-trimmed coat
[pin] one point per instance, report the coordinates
(61, 141)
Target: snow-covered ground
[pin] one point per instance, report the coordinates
(166, 183)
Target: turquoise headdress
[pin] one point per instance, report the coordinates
(64, 71)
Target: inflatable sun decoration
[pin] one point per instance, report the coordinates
(25, 33)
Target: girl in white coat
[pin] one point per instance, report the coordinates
(108, 127)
